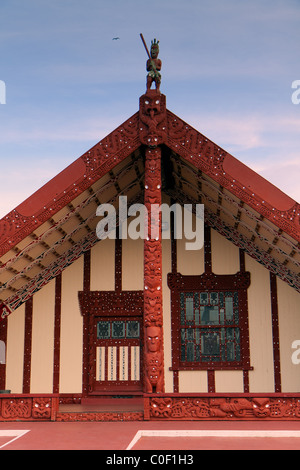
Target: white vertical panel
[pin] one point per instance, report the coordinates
(43, 339)
(225, 256)
(112, 363)
(100, 363)
(123, 362)
(97, 363)
(135, 363)
(289, 331)
(71, 332)
(132, 263)
(261, 378)
(15, 350)
(103, 253)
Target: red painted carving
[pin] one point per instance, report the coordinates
(231, 407)
(154, 378)
(99, 417)
(209, 281)
(28, 407)
(278, 407)
(153, 321)
(41, 408)
(16, 408)
(153, 118)
(98, 303)
(152, 114)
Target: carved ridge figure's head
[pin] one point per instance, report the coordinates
(154, 50)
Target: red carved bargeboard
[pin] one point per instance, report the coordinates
(222, 407)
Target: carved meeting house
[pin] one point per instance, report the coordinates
(193, 334)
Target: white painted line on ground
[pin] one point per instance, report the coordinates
(12, 433)
(223, 433)
(136, 438)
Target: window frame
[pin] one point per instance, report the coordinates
(209, 282)
(2, 352)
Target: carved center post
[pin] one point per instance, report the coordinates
(153, 133)
(153, 315)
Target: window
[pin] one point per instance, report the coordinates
(209, 327)
(209, 321)
(116, 329)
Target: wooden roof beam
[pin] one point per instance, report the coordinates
(12, 289)
(81, 220)
(44, 244)
(27, 257)
(115, 181)
(137, 172)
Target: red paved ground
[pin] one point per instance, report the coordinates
(4, 440)
(118, 436)
(217, 443)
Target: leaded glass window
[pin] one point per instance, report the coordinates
(118, 329)
(209, 327)
(103, 329)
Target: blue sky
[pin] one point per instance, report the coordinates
(228, 68)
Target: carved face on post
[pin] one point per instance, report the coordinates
(153, 122)
(153, 335)
(152, 105)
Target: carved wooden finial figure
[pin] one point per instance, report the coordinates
(153, 64)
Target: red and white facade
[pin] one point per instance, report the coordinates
(205, 334)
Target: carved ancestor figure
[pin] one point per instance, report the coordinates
(154, 66)
(154, 378)
(153, 118)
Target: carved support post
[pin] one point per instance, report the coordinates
(153, 315)
(153, 133)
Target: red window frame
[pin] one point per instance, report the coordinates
(209, 282)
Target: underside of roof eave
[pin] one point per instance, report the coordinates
(68, 184)
(247, 185)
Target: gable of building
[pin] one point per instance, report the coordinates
(57, 224)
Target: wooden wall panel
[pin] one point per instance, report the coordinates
(15, 350)
(224, 255)
(133, 264)
(289, 331)
(43, 340)
(261, 378)
(166, 267)
(103, 265)
(71, 330)
(189, 261)
(227, 381)
(193, 381)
